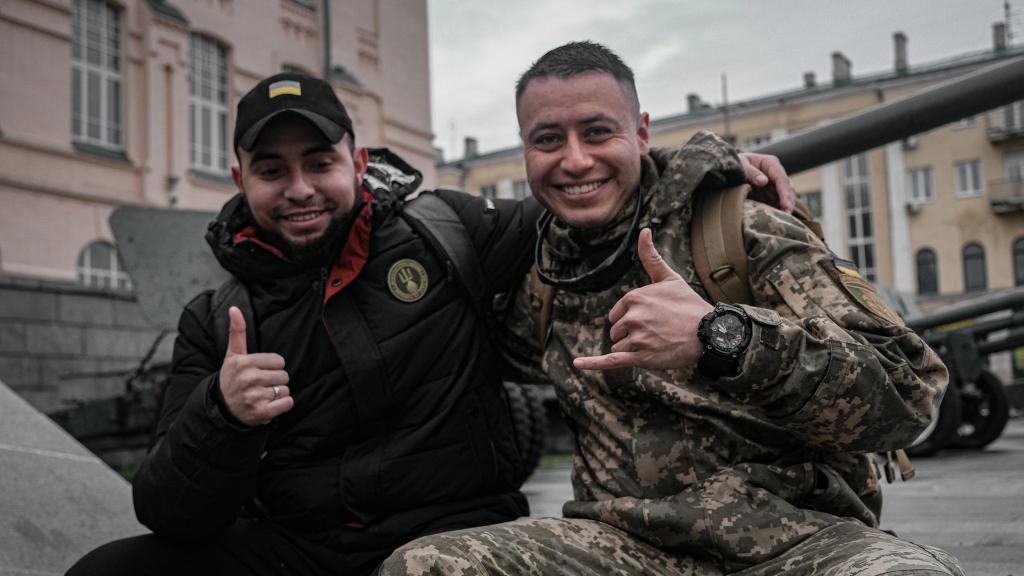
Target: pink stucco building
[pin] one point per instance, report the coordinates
(111, 102)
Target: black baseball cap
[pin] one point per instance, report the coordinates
(290, 92)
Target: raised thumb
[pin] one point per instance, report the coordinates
(236, 332)
(653, 263)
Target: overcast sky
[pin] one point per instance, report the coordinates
(478, 48)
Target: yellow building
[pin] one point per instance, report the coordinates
(936, 215)
(112, 102)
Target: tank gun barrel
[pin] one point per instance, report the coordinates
(1009, 299)
(985, 89)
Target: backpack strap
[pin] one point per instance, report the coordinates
(437, 221)
(232, 293)
(541, 314)
(716, 235)
(719, 256)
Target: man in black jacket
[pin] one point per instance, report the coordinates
(354, 405)
(357, 407)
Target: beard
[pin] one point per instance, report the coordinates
(320, 251)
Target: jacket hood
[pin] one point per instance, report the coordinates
(388, 176)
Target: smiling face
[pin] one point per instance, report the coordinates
(583, 139)
(296, 182)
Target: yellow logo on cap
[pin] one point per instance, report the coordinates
(407, 280)
(285, 87)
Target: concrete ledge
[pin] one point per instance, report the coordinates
(58, 500)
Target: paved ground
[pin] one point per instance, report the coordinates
(969, 503)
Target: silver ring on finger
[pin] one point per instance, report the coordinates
(277, 392)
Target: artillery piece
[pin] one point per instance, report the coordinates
(975, 409)
(167, 274)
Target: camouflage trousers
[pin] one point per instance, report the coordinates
(567, 546)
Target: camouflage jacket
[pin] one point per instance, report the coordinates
(738, 469)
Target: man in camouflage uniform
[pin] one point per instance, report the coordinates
(682, 465)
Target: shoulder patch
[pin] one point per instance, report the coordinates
(862, 291)
(845, 266)
(407, 280)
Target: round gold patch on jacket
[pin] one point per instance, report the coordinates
(407, 280)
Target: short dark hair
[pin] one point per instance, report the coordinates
(576, 58)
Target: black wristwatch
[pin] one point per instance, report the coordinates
(725, 334)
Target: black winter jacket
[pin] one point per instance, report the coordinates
(400, 425)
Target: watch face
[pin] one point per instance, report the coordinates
(727, 332)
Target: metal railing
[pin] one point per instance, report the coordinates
(1006, 195)
(1005, 123)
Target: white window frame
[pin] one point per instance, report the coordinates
(752, 142)
(1013, 167)
(1013, 115)
(209, 132)
(921, 185)
(965, 122)
(111, 277)
(520, 189)
(967, 174)
(813, 199)
(97, 82)
(860, 243)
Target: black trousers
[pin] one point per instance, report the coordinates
(248, 548)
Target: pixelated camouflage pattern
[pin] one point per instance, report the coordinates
(576, 546)
(743, 468)
(541, 546)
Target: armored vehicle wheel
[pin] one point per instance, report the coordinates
(985, 409)
(943, 429)
(530, 421)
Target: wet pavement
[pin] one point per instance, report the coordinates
(970, 503)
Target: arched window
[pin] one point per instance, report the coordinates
(975, 277)
(1018, 261)
(100, 266)
(927, 272)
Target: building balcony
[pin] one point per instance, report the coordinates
(1006, 124)
(1006, 196)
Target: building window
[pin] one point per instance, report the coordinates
(974, 268)
(919, 182)
(96, 62)
(520, 189)
(756, 141)
(860, 236)
(208, 107)
(489, 191)
(968, 178)
(100, 266)
(813, 202)
(927, 272)
(967, 122)
(1013, 116)
(1013, 167)
(1018, 262)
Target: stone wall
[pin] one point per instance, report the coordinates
(63, 343)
